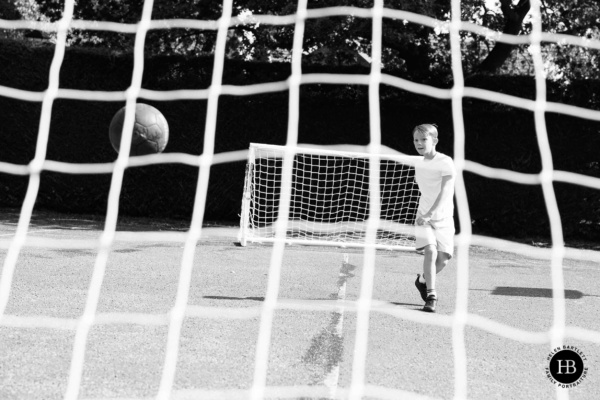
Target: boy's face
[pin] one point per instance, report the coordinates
(424, 143)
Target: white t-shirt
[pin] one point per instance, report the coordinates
(428, 174)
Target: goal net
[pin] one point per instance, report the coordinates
(294, 194)
(330, 198)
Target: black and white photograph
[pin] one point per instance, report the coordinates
(299, 199)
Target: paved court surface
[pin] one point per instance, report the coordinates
(312, 340)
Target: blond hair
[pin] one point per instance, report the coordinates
(426, 129)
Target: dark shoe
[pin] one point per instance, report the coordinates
(430, 304)
(422, 288)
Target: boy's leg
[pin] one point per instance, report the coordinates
(430, 267)
(445, 242)
(426, 243)
(441, 261)
(436, 258)
(435, 261)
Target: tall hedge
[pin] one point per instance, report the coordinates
(496, 136)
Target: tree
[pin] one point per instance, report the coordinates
(21, 10)
(513, 24)
(563, 62)
(10, 12)
(410, 50)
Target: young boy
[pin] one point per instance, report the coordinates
(435, 176)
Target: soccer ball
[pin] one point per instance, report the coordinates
(150, 130)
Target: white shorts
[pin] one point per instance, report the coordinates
(439, 233)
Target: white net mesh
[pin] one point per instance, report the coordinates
(458, 321)
(330, 198)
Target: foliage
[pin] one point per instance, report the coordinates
(17, 10)
(416, 52)
(563, 63)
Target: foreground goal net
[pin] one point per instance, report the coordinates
(295, 195)
(330, 198)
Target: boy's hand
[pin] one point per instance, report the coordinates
(423, 219)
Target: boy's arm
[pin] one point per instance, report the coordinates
(445, 191)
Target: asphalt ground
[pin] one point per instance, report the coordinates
(312, 338)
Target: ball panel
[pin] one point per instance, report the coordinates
(143, 147)
(157, 135)
(145, 114)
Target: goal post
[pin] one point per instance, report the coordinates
(329, 203)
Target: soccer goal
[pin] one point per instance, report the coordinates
(292, 194)
(330, 197)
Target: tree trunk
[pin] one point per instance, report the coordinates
(513, 21)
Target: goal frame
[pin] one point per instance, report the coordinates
(245, 235)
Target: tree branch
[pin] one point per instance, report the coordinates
(513, 21)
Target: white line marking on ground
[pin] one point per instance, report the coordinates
(332, 378)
